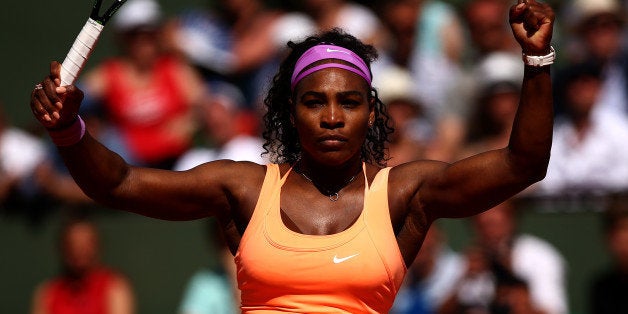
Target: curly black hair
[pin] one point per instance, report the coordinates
(282, 140)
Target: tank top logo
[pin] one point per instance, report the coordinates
(338, 260)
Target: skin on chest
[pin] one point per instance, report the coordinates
(313, 213)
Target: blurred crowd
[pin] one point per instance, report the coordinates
(187, 89)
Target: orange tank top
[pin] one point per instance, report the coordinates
(358, 270)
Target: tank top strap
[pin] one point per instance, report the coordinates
(378, 221)
(376, 202)
(269, 191)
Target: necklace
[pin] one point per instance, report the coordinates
(333, 194)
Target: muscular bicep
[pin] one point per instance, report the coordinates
(472, 185)
(207, 190)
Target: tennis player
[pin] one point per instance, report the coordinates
(327, 227)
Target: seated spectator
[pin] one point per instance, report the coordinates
(596, 34)
(489, 32)
(213, 290)
(413, 131)
(352, 17)
(20, 153)
(84, 285)
(499, 252)
(497, 98)
(475, 290)
(530, 258)
(488, 36)
(427, 39)
(589, 151)
(431, 278)
(148, 95)
(610, 288)
(225, 135)
(430, 42)
(238, 40)
(512, 295)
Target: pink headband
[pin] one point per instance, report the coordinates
(322, 52)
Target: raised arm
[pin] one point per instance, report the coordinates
(208, 190)
(472, 185)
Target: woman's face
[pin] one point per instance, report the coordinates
(331, 113)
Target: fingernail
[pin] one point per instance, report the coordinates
(56, 115)
(47, 118)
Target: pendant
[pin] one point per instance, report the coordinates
(334, 197)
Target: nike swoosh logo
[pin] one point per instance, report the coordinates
(338, 260)
(336, 50)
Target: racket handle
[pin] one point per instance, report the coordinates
(80, 51)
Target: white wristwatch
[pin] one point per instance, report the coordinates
(539, 61)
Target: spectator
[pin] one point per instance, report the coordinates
(487, 34)
(353, 18)
(530, 258)
(84, 284)
(227, 139)
(508, 270)
(412, 135)
(610, 288)
(597, 28)
(589, 152)
(213, 291)
(431, 278)
(496, 101)
(489, 31)
(241, 41)
(147, 94)
(428, 40)
(20, 153)
(475, 291)
(512, 295)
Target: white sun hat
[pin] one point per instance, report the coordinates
(137, 13)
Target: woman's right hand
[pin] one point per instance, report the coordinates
(55, 106)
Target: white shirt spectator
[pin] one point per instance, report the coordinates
(241, 148)
(596, 162)
(543, 268)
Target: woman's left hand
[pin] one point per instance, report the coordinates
(532, 24)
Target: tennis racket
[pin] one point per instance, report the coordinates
(85, 41)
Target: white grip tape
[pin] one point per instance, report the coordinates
(80, 51)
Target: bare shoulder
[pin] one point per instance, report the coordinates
(231, 174)
(412, 175)
(404, 187)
